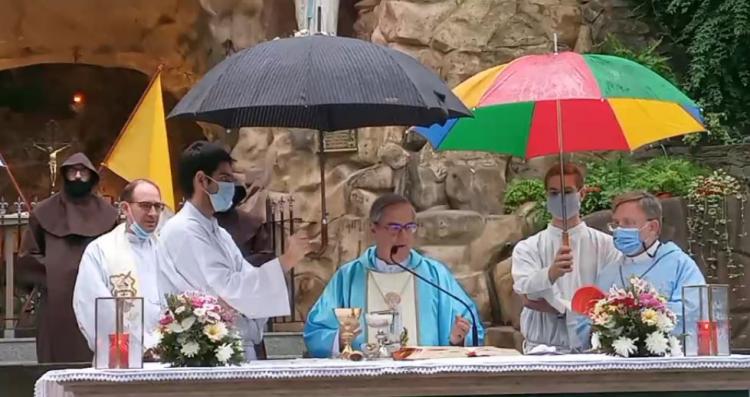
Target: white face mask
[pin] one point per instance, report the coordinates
(572, 204)
(222, 199)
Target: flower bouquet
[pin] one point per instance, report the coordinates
(196, 331)
(633, 322)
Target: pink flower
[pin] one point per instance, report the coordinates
(167, 319)
(650, 300)
(197, 301)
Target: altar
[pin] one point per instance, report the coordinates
(504, 375)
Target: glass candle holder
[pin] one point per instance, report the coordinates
(705, 320)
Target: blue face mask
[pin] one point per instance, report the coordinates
(628, 240)
(139, 232)
(222, 199)
(572, 205)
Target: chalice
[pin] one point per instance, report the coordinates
(380, 322)
(348, 319)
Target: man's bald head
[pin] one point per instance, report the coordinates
(141, 203)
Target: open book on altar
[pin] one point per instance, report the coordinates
(430, 352)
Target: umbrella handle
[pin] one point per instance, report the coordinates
(565, 238)
(323, 239)
(323, 210)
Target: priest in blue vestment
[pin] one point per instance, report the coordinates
(373, 283)
(636, 225)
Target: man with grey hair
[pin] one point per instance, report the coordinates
(374, 283)
(636, 225)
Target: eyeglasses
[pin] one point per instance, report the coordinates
(612, 226)
(395, 228)
(147, 205)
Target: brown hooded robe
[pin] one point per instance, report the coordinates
(60, 228)
(251, 235)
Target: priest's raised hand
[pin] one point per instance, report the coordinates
(461, 328)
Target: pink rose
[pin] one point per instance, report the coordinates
(167, 319)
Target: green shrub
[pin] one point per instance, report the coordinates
(522, 191)
(606, 179)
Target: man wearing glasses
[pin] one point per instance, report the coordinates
(636, 226)
(373, 283)
(123, 260)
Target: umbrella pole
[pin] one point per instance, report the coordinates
(565, 239)
(323, 210)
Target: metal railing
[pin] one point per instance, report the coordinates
(279, 214)
(12, 226)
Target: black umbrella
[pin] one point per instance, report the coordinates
(324, 83)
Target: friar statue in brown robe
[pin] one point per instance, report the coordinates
(59, 229)
(251, 234)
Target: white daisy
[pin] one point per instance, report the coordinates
(596, 343)
(187, 323)
(190, 349)
(158, 336)
(624, 346)
(175, 327)
(675, 347)
(664, 323)
(649, 316)
(224, 352)
(657, 343)
(215, 332)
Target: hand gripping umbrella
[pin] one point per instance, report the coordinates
(565, 102)
(323, 83)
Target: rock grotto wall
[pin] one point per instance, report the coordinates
(458, 195)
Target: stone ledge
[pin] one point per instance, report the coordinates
(279, 345)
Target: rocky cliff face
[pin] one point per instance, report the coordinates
(459, 195)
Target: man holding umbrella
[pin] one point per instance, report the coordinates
(196, 254)
(546, 272)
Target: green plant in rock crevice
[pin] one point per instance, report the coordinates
(522, 191)
(708, 222)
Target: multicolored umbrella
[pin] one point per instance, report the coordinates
(604, 102)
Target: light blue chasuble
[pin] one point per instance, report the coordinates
(348, 288)
(664, 266)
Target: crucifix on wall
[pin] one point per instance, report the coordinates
(52, 148)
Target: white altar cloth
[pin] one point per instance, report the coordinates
(50, 384)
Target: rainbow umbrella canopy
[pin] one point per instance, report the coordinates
(605, 103)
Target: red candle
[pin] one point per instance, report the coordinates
(707, 334)
(119, 347)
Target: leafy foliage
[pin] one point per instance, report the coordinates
(714, 34)
(709, 223)
(608, 178)
(718, 132)
(605, 179)
(649, 57)
(522, 191)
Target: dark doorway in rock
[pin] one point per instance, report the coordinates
(84, 106)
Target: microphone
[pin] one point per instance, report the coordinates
(474, 329)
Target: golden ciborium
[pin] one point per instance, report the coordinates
(348, 319)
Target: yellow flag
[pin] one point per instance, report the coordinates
(141, 150)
